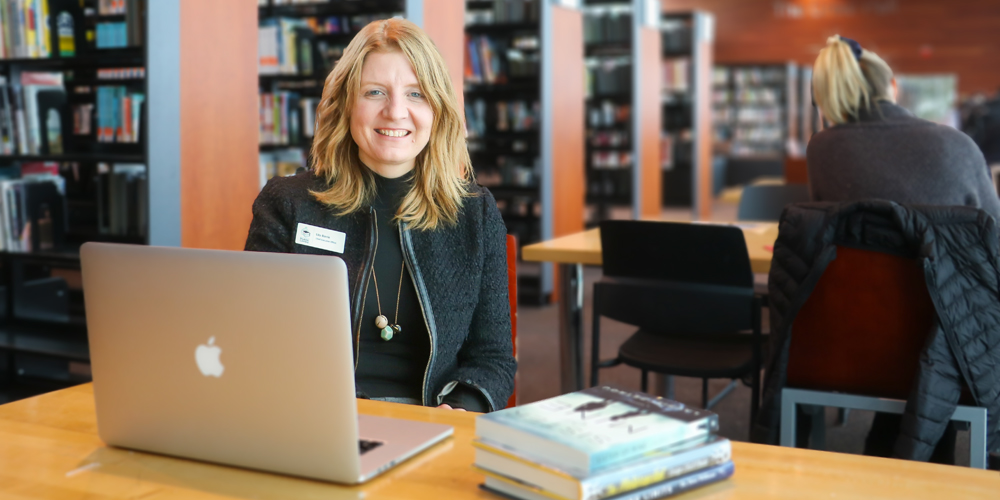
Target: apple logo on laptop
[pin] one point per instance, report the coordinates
(207, 357)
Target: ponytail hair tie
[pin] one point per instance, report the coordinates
(855, 46)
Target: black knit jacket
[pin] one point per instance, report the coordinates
(459, 270)
(960, 251)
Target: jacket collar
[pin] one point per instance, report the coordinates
(882, 110)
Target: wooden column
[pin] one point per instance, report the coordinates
(444, 22)
(567, 128)
(648, 120)
(218, 121)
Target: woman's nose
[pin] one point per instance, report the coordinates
(395, 108)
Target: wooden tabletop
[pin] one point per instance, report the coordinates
(49, 449)
(585, 247)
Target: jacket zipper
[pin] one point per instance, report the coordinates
(409, 259)
(363, 292)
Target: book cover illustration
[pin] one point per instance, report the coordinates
(595, 419)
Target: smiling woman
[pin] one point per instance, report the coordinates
(391, 179)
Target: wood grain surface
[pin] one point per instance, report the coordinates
(49, 449)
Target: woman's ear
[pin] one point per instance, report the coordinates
(894, 91)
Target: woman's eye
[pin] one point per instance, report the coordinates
(373, 92)
(416, 95)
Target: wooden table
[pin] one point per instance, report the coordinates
(571, 252)
(49, 449)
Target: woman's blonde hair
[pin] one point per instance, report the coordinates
(443, 172)
(843, 85)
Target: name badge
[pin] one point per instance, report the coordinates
(320, 237)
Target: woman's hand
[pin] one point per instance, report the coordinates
(448, 407)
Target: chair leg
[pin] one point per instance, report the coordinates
(755, 312)
(842, 415)
(645, 381)
(595, 344)
(704, 393)
(670, 387)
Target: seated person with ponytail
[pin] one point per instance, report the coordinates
(877, 149)
(425, 247)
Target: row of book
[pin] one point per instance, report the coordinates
(279, 48)
(600, 443)
(32, 212)
(676, 75)
(510, 116)
(25, 29)
(607, 24)
(608, 114)
(505, 11)
(609, 138)
(111, 7)
(112, 35)
(279, 117)
(119, 114)
(610, 160)
(483, 60)
(608, 76)
(506, 175)
(122, 199)
(31, 113)
(281, 163)
(761, 95)
(676, 36)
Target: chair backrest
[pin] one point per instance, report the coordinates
(676, 251)
(863, 327)
(765, 202)
(697, 275)
(512, 294)
(796, 170)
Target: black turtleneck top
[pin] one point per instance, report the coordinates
(395, 368)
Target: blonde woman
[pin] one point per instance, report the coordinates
(424, 245)
(877, 149)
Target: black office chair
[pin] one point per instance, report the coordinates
(765, 202)
(689, 289)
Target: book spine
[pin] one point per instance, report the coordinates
(651, 472)
(681, 484)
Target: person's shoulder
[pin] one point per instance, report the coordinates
(293, 186)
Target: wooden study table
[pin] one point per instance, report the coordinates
(49, 449)
(571, 252)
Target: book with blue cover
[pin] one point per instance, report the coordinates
(588, 430)
(651, 468)
(513, 488)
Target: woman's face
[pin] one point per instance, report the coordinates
(391, 120)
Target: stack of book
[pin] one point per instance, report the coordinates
(600, 443)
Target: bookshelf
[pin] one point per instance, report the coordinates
(299, 44)
(685, 158)
(754, 108)
(128, 132)
(524, 96)
(623, 114)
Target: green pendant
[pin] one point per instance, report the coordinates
(387, 333)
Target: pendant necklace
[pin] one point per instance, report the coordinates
(381, 322)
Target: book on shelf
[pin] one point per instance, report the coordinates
(32, 212)
(513, 488)
(281, 163)
(588, 430)
(25, 29)
(279, 118)
(119, 114)
(122, 199)
(653, 468)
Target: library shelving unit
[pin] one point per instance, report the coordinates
(623, 113)
(299, 44)
(755, 113)
(106, 136)
(686, 96)
(524, 116)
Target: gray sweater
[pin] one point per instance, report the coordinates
(889, 154)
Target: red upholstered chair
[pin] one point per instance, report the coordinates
(512, 292)
(856, 342)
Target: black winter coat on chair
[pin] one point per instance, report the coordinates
(958, 247)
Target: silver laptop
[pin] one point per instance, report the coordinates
(239, 358)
